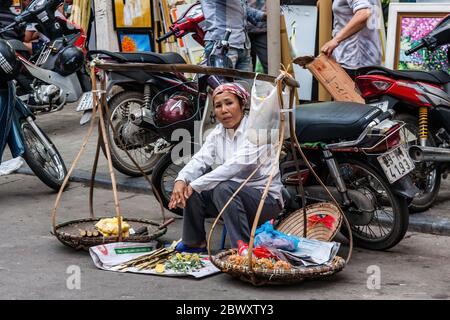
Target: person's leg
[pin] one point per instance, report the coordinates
(240, 213)
(209, 45)
(198, 207)
(259, 46)
(253, 49)
(233, 55)
(244, 60)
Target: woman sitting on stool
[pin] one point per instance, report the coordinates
(234, 158)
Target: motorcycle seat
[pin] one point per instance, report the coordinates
(142, 57)
(152, 57)
(18, 46)
(332, 121)
(435, 76)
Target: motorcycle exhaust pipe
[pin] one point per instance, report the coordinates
(142, 118)
(421, 154)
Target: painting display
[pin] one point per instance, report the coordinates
(412, 29)
(407, 24)
(130, 41)
(132, 14)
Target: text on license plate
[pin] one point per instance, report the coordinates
(396, 163)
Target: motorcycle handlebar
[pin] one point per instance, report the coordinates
(8, 27)
(416, 48)
(164, 37)
(227, 35)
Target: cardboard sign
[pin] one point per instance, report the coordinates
(331, 75)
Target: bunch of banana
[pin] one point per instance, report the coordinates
(110, 227)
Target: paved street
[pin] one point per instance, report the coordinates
(33, 263)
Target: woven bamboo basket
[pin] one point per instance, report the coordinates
(323, 221)
(259, 276)
(68, 233)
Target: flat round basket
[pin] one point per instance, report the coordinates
(261, 276)
(323, 222)
(68, 233)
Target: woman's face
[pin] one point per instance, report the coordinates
(228, 110)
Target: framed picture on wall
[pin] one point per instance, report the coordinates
(17, 6)
(132, 14)
(408, 23)
(135, 40)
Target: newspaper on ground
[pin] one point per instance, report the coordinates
(10, 166)
(110, 256)
(312, 252)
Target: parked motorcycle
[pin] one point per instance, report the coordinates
(421, 100)
(57, 74)
(356, 150)
(20, 132)
(152, 105)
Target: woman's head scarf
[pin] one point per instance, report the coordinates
(235, 88)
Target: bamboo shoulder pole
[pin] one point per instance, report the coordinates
(325, 29)
(191, 68)
(102, 104)
(273, 36)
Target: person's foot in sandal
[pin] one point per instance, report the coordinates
(182, 247)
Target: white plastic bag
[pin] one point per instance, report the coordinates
(264, 117)
(11, 166)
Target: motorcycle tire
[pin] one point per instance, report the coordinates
(163, 177)
(119, 158)
(400, 214)
(46, 163)
(430, 191)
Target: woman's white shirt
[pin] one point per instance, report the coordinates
(232, 157)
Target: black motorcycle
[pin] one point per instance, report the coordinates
(152, 105)
(19, 130)
(56, 74)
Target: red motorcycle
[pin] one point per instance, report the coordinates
(421, 100)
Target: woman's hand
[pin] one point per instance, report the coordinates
(329, 47)
(178, 198)
(188, 192)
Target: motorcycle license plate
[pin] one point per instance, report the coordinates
(85, 102)
(396, 163)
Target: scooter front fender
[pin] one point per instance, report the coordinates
(70, 85)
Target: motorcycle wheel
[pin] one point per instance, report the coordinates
(46, 163)
(163, 179)
(390, 219)
(120, 107)
(426, 176)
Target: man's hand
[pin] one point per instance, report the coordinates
(181, 192)
(329, 47)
